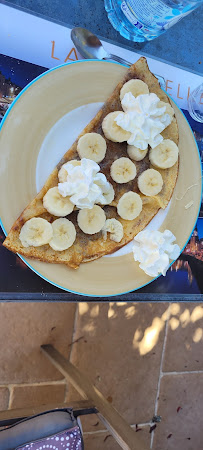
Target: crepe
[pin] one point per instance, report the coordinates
(90, 247)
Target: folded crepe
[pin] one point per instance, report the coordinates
(90, 247)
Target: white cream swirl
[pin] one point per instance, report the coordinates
(85, 186)
(153, 250)
(143, 119)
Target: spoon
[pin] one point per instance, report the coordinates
(90, 47)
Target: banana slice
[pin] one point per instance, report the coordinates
(123, 170)
(115, 228)
(165, 155)
(36, 232)
(57, 205)
(169, 110)
(92, 220)
(63, 172)
(136, 87)
(129, 205)
(135, 152)
(92, 146)
(150, 182)
(64, 234)
(112, 131)
(108, 196)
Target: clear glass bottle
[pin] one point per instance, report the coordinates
(195, 104)
(144, 20)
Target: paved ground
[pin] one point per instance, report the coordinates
(145, 358)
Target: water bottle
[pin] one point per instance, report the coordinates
(144, 20)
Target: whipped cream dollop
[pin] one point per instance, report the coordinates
(85, 186)
(153, 250)
(143, 119)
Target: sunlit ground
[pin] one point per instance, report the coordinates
(144, 340)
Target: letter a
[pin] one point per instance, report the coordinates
(68, 56)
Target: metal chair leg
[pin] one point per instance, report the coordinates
(118, 427)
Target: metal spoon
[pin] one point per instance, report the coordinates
(90, 47)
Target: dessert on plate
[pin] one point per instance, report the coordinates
(108, 186)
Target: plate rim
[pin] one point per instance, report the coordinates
(1, 223)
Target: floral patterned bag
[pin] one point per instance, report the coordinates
(70, 439)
